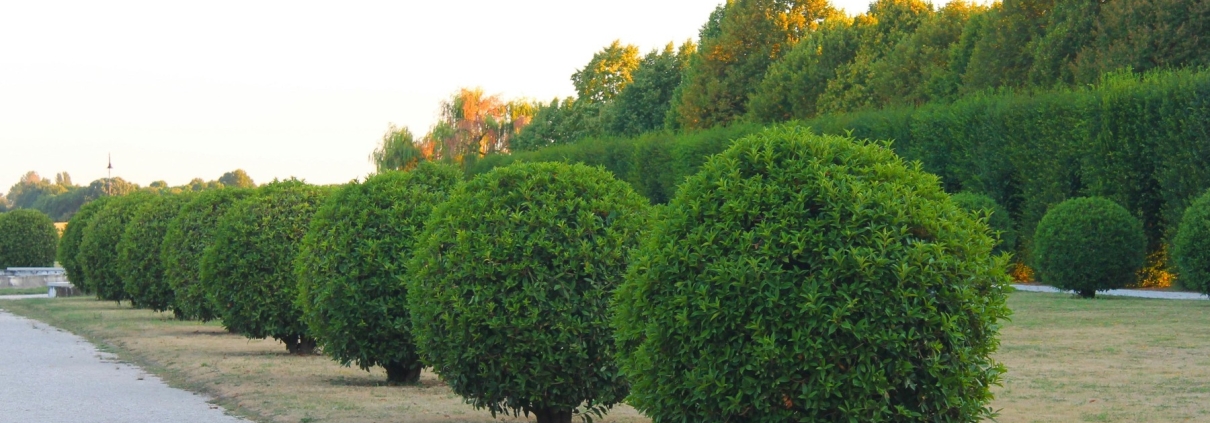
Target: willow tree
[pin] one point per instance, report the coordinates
(473, 124)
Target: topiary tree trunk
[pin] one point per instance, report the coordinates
(299, 344)
(552, 415)
(1087, 293)
(401, 373)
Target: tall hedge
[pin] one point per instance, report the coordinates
(653, 163)
(69, 244)
(997, 218)
(250, 263)
(510, 285)
(352, 264)
(28, 238)
(139, 253)
(186, 238)
(1138, 140)
(98, 254)
(810, 278)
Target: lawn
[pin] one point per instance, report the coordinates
(23, 291)
(1102, 360)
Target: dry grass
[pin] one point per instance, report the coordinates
(1110, 359)
(257, 378)
(1103, 360)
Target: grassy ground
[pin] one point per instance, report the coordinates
(1112, 359)
(257, 378)
(1102, 360)
(23, 291)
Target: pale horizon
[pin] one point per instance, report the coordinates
(182, 91)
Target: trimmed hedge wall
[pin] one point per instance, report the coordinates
(187, 237)
(1139, 140)
(653, 163)
(28, 238)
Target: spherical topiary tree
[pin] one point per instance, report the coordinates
(139, 253)
(1087, 245)
(98, 254)
(1191, 246)
(69, 245)
(802, 278)
(998, 218)
(351, 266)
(510, 284)
(188, 235)
(28, 238)
(250, 263)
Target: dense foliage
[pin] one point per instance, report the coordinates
(69, 244)
(1191, 246)
(186, 238)
(139, 253)
(1135, 139)
(352, 261)
(1087, 245)
(809, 278)
(250, 262)
(28, 238)
(98, 255)
(61, 199)
(997, 218)
(510, 285)
(653, 163)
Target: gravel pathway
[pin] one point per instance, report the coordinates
(1140, 293)
(49, 375)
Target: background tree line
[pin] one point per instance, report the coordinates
(768, 61)
(61, 199)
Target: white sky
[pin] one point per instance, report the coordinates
(177, 90)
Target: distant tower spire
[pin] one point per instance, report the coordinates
(109, 178)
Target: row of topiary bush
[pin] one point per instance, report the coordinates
(28, 238)
(793, 277)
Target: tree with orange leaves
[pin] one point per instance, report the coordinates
(473, 124)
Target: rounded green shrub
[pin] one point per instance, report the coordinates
(250, 263)
(1087, 245)
(28, 238)
(98, 255)
(139, 253)
(997, 218)
(351, 267)
(510, 285)
(69, 244)
(1191, 246)
(804, 278)
(187, 237)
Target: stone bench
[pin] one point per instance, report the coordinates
(61, 289)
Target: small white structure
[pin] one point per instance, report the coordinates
(31, 277)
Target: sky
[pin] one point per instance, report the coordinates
(178, 90)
